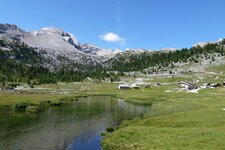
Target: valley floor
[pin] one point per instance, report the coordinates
(177, 120)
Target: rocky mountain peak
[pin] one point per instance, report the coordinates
(6, 27)
(11, 31)
(57, 33)
(48, 38)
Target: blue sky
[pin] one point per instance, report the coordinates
(150, 24)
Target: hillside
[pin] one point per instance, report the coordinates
(58, 46)
(22, 63)
(51, 55)
(151, 62)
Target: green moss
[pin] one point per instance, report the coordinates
(56, 103)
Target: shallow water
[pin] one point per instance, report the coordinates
(73, 126)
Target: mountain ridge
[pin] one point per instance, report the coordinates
(62, 56)
(54, 44)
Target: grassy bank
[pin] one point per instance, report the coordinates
(177, 121)
(7, 99)
(49, 92)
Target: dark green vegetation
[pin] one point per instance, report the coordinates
(137, 62)
(25, 107)
(21, 63)
(56, 103)
(109, 129)
(20, 107)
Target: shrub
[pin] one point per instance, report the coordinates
(20, 107)
(109, 129)
(56, 103)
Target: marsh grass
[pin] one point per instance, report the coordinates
(20, 107)
(177, 120)
(56, 103)
(11, 99)
(139, 102)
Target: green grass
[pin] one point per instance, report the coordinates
(170, 79)
(177, 120)
(217, 69)
(11, 99)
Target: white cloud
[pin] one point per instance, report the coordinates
(112, 37)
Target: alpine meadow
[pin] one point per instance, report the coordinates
(112, 75)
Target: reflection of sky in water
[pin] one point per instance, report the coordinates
(86, 143)
(73, 126)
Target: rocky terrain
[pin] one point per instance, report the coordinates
(59, 47)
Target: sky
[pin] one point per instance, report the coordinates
(123, 24)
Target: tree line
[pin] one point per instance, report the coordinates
(21, 63)
(137, 62)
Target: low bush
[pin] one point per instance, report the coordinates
(109, 129)
(56, 103)
(20, 107)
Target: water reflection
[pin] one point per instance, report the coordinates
(75, 125)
